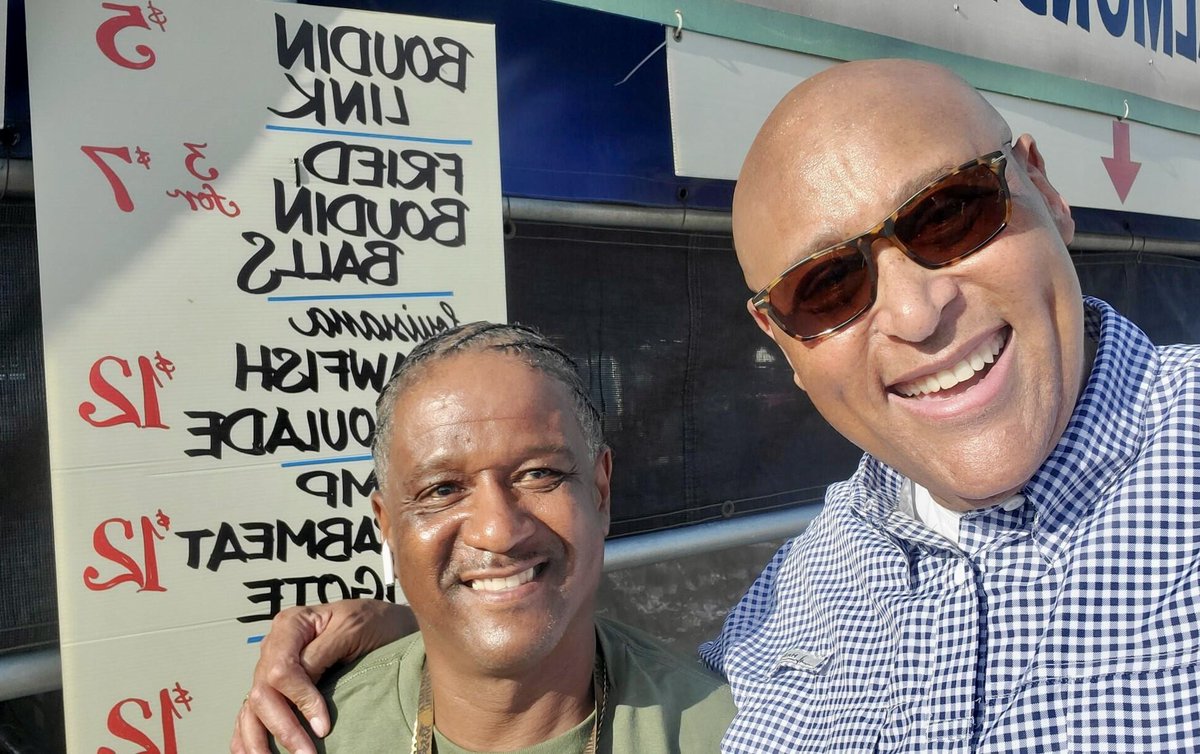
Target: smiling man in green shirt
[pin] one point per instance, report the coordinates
(494, 498)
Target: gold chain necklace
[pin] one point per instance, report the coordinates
(422, 741)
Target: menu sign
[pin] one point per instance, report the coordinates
(248, 213)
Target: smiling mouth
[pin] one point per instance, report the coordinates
(509, 582)
(970, 370)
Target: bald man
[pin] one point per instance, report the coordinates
(1015, 564)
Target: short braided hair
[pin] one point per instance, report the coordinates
(520, 341)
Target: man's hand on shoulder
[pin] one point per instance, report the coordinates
(302, 644)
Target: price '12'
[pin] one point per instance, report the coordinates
(169, 702)
(145, 574)
(126, 413)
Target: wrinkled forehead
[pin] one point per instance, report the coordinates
(457, 400)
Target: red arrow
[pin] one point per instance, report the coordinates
(1120, 168)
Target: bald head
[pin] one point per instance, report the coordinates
(842, 145)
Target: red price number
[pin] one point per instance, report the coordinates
(173, 704)
(206, 198)
(102, 156)
(129, 17)
(125, 412)
(143, 574)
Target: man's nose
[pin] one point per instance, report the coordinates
(910, 299)
(498, 522)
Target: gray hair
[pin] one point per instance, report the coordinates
(525, 343)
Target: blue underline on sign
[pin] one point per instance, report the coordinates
(353, 296)
(255, 639)
(318, 461)
(366, 135)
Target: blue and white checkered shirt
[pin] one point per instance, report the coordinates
(1070, 624)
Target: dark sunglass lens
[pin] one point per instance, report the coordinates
(955, 218)
(824, 292)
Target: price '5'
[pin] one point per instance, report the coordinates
(128, 17)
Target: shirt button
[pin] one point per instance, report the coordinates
(1014, 502)
(960, 573)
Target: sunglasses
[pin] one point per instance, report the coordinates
(951, 218)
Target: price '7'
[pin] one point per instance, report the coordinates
(120, 193)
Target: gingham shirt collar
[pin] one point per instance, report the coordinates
(1101, 438)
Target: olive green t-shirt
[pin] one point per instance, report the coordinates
(659, 702)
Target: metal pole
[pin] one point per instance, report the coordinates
(643, 549)
(617, 216)
(31, 672)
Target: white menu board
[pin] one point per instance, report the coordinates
(248, 213)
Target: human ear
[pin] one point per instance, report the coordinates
(796, 377)
(603, 481)
(764, 324)
(759, 317)
(1027, 155)
(381, 514)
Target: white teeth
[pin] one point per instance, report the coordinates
(960, 372)
(497, 585)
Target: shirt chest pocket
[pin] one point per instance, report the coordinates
(1100, 629)
(822, 704)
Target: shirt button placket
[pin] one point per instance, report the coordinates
(950, 705)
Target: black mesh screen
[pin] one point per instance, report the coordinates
(1161, 294)
(28, 610)
(699, 407)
